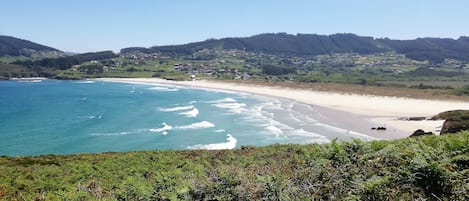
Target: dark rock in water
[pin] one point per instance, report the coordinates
(378, 128)
(417, 118)
(381, 128)
(420, 132)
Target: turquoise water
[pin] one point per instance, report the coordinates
(64, 117)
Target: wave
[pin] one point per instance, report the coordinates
(232, 107)
(230, 144)
(178, 108)
(192, 113)
(198, 125)
(224, 100)
(94, 117)
(315, 138)
(273, 129)
(344, 131)
(220, 131)
(116, 134)
(85, 82)
(164, 89)
(163, 129)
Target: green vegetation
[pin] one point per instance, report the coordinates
(431, 49)
(8, 71)
(64, 63)
(421, 168)
(461, 91)
(17, 47)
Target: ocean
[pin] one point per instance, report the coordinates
(67, 117)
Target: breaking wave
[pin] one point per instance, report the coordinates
(229, 144)
(85, 82)
(198, 125)
(163, 89)
(273, 129)
(231, 104)
(178, 108)
(192, 113)
(224, 100)
(165, 128)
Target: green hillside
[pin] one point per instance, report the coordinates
(432, 49)
(11, 46)
(422, 168)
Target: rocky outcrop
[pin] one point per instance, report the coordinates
(455, 121)
(420, 132)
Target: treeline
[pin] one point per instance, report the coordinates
(432, 49)
(67, 62)
(17, 47)
(427, 72)
(276, 70)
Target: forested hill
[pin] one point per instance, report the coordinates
(18, 47)
(433, 49)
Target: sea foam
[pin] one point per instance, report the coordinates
(178, 108)
(223, 100)
(163, 129)
(85, 82)
(229, 144)
(314, 137)
(229, 103)
(273, 129)
(192, 113)
(163, 89)
(198, 125)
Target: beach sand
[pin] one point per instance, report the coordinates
(380, 110)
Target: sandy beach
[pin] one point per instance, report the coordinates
(381, 110)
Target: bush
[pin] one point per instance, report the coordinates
(420, 168)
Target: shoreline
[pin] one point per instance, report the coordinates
(379, 110)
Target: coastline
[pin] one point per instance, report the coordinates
(378, 110)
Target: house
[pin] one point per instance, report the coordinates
(246, 76)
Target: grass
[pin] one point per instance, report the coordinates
(422, 168)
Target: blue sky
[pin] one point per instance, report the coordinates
(93, 25)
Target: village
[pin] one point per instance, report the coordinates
(246, 65)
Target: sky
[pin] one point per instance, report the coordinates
(95, 25)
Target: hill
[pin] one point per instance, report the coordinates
(421, 168)
(432, 49)
(16, 48)
(68, 61)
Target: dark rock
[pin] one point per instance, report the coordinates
(420, 132)
(455, 121)
(417, 118)
(454, 126)
(381, 128)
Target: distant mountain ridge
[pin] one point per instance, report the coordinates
(18, 47)
(432, 49)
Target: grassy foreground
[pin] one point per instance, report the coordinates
(429, 167)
